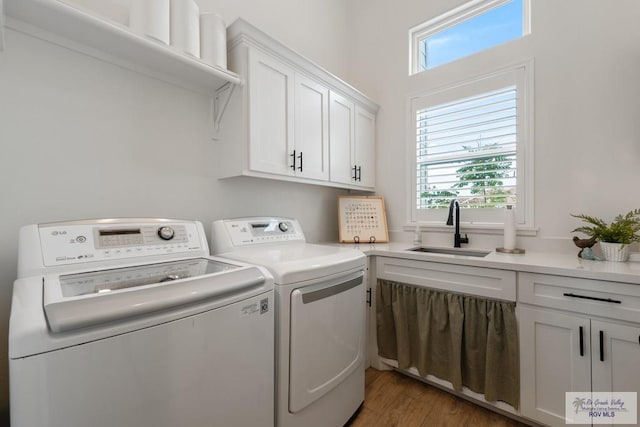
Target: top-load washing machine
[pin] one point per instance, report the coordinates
(131, 323)
(320, 317)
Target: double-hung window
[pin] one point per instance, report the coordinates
(470, 143)
(470, 139)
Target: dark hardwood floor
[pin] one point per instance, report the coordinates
(395, 400)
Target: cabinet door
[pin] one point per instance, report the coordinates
(615, 367)
(365, 145)
(311, 129)
(341, 139)
(552, 362)
(271, 86)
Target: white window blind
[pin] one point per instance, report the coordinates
(467, 149)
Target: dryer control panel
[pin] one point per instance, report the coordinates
(88, 241)
(230, 233)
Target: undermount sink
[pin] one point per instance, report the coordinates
(451, 251)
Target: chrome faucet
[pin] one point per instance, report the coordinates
(457, 239)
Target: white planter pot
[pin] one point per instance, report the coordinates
(615, 251)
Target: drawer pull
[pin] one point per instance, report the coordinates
(602, 346)
(581, 341)
(613, 301)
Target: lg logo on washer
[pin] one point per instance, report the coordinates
(253, 308)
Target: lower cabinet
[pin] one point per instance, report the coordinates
(552, 362)
(575, 334)
(575, 349)
(616, 364)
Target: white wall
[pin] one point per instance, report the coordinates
(82, 138)
(587, 103)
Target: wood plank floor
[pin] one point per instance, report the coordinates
(396, 400)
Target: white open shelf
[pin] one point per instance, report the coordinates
(118, 41)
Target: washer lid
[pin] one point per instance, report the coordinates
(297, 262)
(79, 300)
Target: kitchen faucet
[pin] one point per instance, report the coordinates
(457, 239)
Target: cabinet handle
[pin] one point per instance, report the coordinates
(359, 173)
(293, 157)
(613, 301)
(355, 172)
(602, 346)
(299, 157)
(581, 341)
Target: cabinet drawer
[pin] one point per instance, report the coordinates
(591, 297)
(486, 282)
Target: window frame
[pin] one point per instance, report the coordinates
(453, 17)
(520, 74)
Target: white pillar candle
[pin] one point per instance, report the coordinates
(417, 236)
(509, 228)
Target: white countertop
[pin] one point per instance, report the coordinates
(533, 262)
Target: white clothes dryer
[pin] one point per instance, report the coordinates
(320, 317)
(130, 322)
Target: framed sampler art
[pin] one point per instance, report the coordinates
(362, 219)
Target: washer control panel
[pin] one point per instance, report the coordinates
(250, 231)
(77, 242)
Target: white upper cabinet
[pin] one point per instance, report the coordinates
(271, 86)
(342, 130)
(352, 143)
(311, 129)
(288, 120)
(365, 147)
(283, 123)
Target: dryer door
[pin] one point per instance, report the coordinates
(327, 337)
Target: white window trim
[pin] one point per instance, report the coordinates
(453, 17)
(525, 161)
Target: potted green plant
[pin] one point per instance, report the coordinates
(614, 238)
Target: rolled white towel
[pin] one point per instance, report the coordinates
(151, 18)
(213, 40)
(185, 26)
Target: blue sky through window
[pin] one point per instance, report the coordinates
(489, 29)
